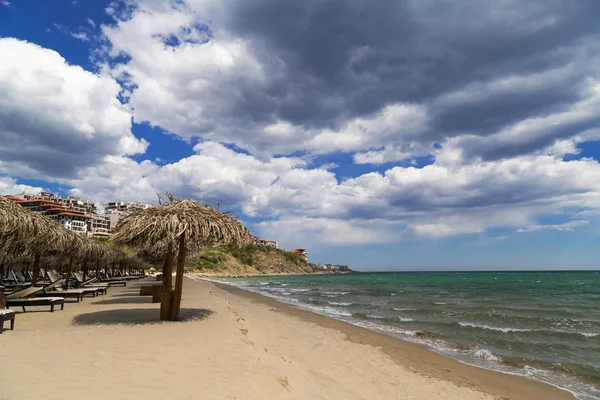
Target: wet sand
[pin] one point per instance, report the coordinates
(232, 344)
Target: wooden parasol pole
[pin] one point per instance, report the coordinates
(179, 279)
(84, 269)
(69, 271)
(36, 269)
(167, 297)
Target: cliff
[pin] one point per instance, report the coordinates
(250, 260)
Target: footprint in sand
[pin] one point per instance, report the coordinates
(246, 340)
(283, 381)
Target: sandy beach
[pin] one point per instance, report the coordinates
(233, 344)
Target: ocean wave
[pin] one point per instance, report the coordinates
(385, 328)
(329, 311)
(298, 290)
(336, 293)
(403, 309)
(484, 354)
(439, 303)
(335, 303)
(373, 316)
(492, 328)
(587, 334)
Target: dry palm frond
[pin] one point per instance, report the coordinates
(22, 230)
(200, 224)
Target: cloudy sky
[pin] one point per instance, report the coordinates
(388, 134)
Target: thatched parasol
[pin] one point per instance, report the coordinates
(26, 232)
(186, 222)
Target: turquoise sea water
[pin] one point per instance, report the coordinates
(543, 325)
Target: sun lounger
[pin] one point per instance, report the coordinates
(90, 283)
(6, 314)
(113, 281)
(21, 298)
(13, 283)
(56, 289)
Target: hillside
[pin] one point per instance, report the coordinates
(250, 260)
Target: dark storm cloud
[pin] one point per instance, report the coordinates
(343, 59)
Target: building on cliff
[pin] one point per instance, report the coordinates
(266, 242)
(300, 252)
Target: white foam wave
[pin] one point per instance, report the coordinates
(403, 309)
(329, 311)
(336, 293)
(440, 303)
(405, 319)
(484, 354)
(587, 334)
(336, 303)
(492, 328)
(385, 329)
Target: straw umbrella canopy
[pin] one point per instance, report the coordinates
(19, 228)
(189, 224)
(23, 231)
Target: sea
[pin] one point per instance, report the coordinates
(541, 325)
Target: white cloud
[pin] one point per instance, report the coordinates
(57, 118)
(315, 233)
(310, 205)
(81, 36)
(9, 186)
(224, 84)
(567, 226)
(5, 3)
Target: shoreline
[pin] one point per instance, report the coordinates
(416, 357)
(208, 276)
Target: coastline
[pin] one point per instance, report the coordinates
(418, 357)
(209, 276)
(231, 344)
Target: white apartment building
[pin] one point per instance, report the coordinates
(73, 204)
(100, 226)
(266, 242)
(124, 205)
(114, 210)
(72, 221)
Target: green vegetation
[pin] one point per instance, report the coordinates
(249, 259)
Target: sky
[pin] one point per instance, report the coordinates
(385, 135)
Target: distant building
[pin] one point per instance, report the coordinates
(330, 267)
(114, 210)
(73, 204)
(300, 252)
(100, 226)
(72, 220)
(124, 205)
(266, 242)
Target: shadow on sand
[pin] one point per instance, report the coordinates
(125, 300)
(128, 294)
(137, 316)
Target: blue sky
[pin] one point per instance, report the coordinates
(411, 135)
